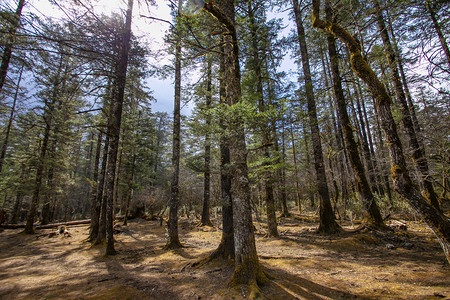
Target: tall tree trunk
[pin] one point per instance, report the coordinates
(400, 175)
(10, 122)
(327, 219)
(247, 269)
(337, 128)
(409, 99)
(95, 208)
(114, 128)
(100, 235)
(418, 154)
(6, 57)
(373, 215)
(266, 139)
(173, 240)
(281, 171)
(225, 249)
(205, 221)
(49, 194)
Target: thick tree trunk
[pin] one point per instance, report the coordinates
(327, 219)
(417, 151)
(399, 172)
(114, 123)
(247, 268)
(7, 52)
(173, 241)
(373, 215)
(206, 221)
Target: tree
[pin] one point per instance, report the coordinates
(114, 124)
(205, 220)
(417, 151)
(173, 240)
(399, 172)
(247, 269)
(327, 220)
(11, 35)
(373, 215)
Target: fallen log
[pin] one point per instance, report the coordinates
(17, 226)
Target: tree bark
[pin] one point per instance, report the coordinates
(206, 221)
(373, 215)
(247, 269)
(417, 151)
(399, 172)
(266, 138)
(173, 240)
(100, 234)
(95, 209)
(225, 250)
(7, 52)
(114, 123)
(327, 218)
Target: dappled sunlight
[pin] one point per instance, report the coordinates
(301, 263)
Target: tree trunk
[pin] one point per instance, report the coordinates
(114, 123)
(129, 189)
(399, 172)
(173, 241)
(100, 234)
(327, 219)
(373, 215)
(247, 268)
(266, 139)
(6, 58)
(225, 249)
(418, 154)
(95, 208)
(206, 221)
(297, 184)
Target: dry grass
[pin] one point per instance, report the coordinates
(304, 265)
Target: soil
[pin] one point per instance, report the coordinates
(402, 264)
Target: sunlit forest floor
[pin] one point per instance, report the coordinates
(304, 265)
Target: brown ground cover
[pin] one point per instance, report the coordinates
(303, 264)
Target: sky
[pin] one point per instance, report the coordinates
(151, 31)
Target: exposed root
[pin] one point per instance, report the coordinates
(203, 224)
(173, 246)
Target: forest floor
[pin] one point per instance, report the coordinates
(404, 264)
